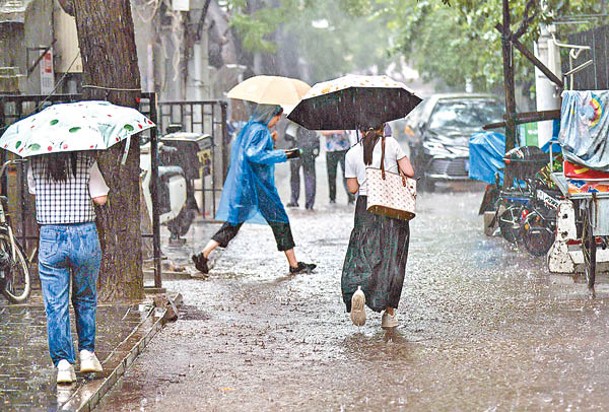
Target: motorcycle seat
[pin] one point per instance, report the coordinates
(166, 172)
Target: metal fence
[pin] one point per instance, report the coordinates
(208, 118)
(596, 75)
(205, 117)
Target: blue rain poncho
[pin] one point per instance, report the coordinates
(249, 193)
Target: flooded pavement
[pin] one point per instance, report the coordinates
(27, 376)
(483, 326)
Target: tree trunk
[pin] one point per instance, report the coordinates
(110, 72)
(508, 73)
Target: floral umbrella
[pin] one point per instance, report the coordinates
(66, 127)
(353, 102)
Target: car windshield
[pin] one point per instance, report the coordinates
(466, 114)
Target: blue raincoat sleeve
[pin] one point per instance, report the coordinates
(486, 151)
(249, 193)
(260, 149)
(584, 126)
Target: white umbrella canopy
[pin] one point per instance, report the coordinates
(264, 89)
(352, 102)
(66, 127)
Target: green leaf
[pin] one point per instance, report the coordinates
(74, 129)
(128, 128)
(34, 146)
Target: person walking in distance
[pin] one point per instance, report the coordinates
(308, 142)
(375, 263)
(249, 193)
(337, 144)
(66, 186)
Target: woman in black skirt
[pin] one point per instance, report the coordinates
(375, 264)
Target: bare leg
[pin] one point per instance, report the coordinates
(390, 310)
(291, 256)
(209, 247)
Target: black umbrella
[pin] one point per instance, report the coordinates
(354, 102)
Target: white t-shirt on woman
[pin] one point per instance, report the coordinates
(354, 161)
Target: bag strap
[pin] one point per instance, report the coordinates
(383, 163)
(403, 175)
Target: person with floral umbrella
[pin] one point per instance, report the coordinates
(63, 175)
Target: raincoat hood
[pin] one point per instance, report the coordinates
(263, 113)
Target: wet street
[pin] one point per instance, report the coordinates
(483, 327)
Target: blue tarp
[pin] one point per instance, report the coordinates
(486, 151)
(553, 142)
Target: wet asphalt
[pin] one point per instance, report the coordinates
(483, 326)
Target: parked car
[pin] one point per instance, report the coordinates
(438, 130)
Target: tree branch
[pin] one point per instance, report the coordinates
(527, 18)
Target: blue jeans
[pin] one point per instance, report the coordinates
(70, 251)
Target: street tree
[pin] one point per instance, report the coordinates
(110, 72)
(437, 34)
(325, 36)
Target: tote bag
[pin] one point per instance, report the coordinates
(390, 194)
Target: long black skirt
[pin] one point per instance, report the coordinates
(376, 258)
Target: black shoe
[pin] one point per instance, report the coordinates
(332, 201)
(292, 204)
(302, 268)
(200, 262)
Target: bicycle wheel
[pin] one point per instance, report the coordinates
(537, 236)
(17, 284)
(589, 251)
(509, 223)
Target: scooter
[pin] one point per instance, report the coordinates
(176, 173)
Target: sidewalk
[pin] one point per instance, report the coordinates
(27, 377)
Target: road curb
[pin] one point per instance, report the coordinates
(88, 395)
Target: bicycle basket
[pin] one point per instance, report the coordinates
(524, 162)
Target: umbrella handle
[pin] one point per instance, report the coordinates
(126, 152)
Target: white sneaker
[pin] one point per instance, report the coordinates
(389, 321)
(89, 362)
(358, 307)
(65, 372)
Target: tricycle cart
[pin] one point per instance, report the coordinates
(582, 230)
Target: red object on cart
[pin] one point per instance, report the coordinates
(582, 179)
(580, 172)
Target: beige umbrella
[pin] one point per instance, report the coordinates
(263, 89)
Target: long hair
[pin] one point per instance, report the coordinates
(56, 167)
(369, 140)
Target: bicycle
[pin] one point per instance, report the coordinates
(15, 282)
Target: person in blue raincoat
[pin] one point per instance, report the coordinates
(249, 193)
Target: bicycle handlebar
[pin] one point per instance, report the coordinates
(8, 162)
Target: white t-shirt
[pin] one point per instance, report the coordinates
(354, 161)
